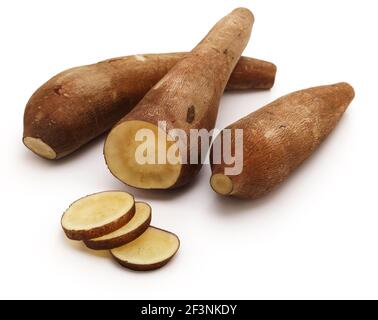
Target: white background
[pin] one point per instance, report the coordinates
(314, 237)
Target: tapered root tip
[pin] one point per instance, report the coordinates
(243, 10)
(39, 147)
(221, 184)
(346, 88)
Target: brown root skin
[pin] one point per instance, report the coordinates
(145, 266)
(192, 87)
(137, 267)
(280, 136)
(82, 235)
(111, 243)
(262, 75)
(98, 231)
(79, 104)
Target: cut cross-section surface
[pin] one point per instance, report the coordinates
(221, 184)
(139, 163)
(129, 232)
(98, 214)
(152, 250)
(39, 147)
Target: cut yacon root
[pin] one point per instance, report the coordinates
(98, 214)
(39, 147)
(152, 250)
(187, 99)
(132, 155)
(221, 184)
(132, 230)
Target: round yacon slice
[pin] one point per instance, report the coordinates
(129, 232)
(98, 214)
(152, 250)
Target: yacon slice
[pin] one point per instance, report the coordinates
(152, 250)
(98, 214)
(129, 232)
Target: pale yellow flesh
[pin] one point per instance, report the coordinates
(142, 214)
(151, 247)
(121, 157)
(97, 210)
(221, 184)
(39, 147)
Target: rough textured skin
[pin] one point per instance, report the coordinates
(196, 83)
(251, 73)
(82, 235)
(147, 267)
(280, 136)
(79, 104)
(119, 241)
